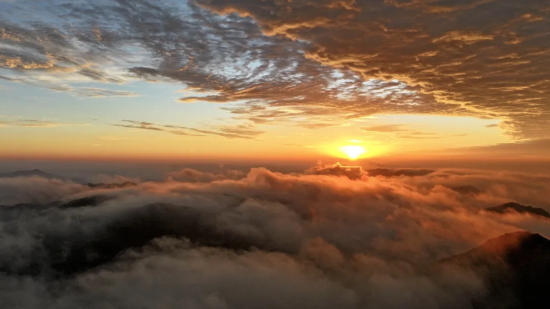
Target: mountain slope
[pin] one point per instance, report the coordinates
(31, 173)
(504, 208)
(515, 268)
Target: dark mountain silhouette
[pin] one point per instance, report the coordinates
(86, 201)
(467, 189)
(43, 174)
(31, 173)
(123, 185)
(515, 268)
(504, 208)
(64, 255)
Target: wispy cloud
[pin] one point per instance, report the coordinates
(112, 138)
(386, 128)
(538, 147)
(99, 93)
(93, 92)
(405, 132)
(33, 123)
(243, 131)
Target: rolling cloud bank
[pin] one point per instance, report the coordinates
(319, 239)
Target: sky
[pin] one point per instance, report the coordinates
(279, 154)
(401, 80)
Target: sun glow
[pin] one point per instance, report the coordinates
(353, 152)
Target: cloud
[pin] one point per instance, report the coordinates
(422, 135)
(402, 131)
(153, 127)
(34, 123)
(99, 93)
(483, 62)
(139, 125)
(92, 92)
(352, 172)
(386, 128)
(243, 131)
(35, 190)
(526, 148)
(191, 175)
(98, 76)
(270, 78)
(5, 78)
(112, 179)
(317, 125)
(234, 240)
(289, 62)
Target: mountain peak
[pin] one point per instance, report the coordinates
(31, 173)
(515, 268)
(502, 247)
(512, 206)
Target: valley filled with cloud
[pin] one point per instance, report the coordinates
(331, 236)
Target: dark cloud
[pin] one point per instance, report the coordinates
(515, 207)
(398, 172)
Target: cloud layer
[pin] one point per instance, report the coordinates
(330, 237)
(245, 131)
(480, 57)
(298, 61)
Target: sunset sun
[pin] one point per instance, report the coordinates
(353, 152)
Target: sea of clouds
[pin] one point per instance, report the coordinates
(330, 237)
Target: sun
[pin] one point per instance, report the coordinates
(353, 152)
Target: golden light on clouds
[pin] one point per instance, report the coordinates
(353, 152)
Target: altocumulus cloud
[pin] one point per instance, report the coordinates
(318, 239)
(483, 56)
(476, 58)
